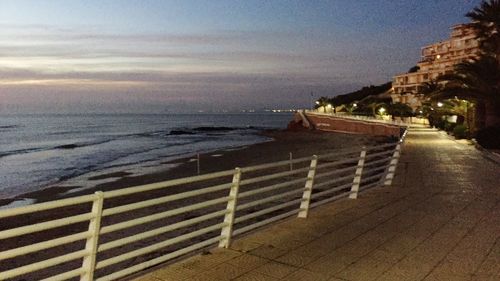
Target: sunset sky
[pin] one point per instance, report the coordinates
(171, 56)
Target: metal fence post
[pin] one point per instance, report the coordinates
(392, 165)
(91, 246)
(306, 197)
(357, 175)
(227, 230)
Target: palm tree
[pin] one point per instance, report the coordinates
(486, 24)
(476, 80)
(429, 88)
(323, 102)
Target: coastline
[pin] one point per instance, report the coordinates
(300, 143)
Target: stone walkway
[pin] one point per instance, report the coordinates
(439, 221)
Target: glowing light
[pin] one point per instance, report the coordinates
(381, 110)
(317, 102)
(354, 104)
(439, 104)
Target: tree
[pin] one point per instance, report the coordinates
(486, 24)
(429, 88)
(400, 110)
(322, 102)
(476, 80)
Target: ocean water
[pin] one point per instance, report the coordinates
(37, 151)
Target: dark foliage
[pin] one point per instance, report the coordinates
(360, 94)
(489, 137)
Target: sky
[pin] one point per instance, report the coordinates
(64, 56)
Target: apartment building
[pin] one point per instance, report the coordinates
(437, 59)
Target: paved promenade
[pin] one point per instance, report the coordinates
(439, 221)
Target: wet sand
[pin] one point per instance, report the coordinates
(300, 143)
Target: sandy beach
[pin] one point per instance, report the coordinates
(300, 143)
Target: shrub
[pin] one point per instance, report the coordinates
(448, 126)
(489, 137)
(460, 131)
(440, 124)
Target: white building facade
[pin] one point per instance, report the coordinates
(437, 59)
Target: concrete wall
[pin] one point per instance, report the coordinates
(337, 124)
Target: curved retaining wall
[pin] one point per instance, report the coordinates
(344, 125)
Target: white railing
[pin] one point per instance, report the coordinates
(360, 117)
(112, 234)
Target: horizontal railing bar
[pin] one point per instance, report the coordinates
(157, 231)
(334, 172)
(46, 206)
(369, 185)
(273, 176)
(379, 154)
(44, 225)
(43, 264)
(164, 199)
(268, 199)
(164, 184)
(156, 246)
(264, 222)
(319, 185)
(275, 164)
(157, 216)
(65, 275)
(340, 152)
(374, 169)
(269, 188)
(336, 197)
(267, 210)
(371, 163)
(353, 160)
(43, 245)
(365, 179)
(158, 260)
(328, 191)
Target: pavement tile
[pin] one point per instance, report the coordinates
(222, 272)
(268, 252)
(364, 269)
(175, 272)
(247, 261)
(245, 244)
(305, 275)
(255, 276)
(294, 259)
(275, 269)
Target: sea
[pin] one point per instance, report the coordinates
(40, 150)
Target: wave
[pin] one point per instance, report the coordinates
(19, 151)
(8, 127)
